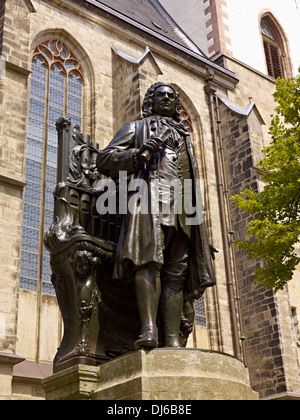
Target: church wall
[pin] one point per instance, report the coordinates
(13, 108)
(294, 293)
(260, 89)
(253, 87)
(39, 325)
(114, 90)
(14, 31)
(266, 318)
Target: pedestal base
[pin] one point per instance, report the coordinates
(160, 374)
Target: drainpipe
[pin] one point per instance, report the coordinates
(211, 89)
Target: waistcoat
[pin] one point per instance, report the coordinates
(173, 169)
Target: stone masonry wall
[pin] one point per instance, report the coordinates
(14, 29)
(114, 91)
(257, 304)
(265, 344)
(110, 83)
(16, 33)
(131, 80)
(127, 104)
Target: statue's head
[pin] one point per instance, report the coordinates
(162, 99)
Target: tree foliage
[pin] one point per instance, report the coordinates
(274, 231)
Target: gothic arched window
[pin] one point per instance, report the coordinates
(276, 47)
(56, 90)
(272, 50)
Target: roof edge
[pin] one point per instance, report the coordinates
(30, 6)
(241, 111)
(139, 60)
(204, 60)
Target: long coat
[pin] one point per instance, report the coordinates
(140, 241)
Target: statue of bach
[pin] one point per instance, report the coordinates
(166, 252)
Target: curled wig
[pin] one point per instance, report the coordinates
(148, 101)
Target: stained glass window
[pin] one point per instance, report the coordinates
(200, 316)
(185, 119)
(56, 91)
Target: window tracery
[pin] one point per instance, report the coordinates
(55, 54)
(185, 119)
(267, 30)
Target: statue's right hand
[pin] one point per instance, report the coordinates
(148, 149)
(152, 145)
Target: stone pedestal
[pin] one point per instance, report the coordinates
(161, 374)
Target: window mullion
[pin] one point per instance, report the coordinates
(66, 97)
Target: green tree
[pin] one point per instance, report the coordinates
(274, 231)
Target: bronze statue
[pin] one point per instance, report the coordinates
(137, 267)
(166, 254)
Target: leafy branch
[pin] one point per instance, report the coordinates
(275, 230)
